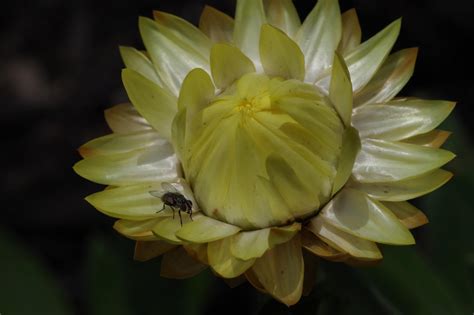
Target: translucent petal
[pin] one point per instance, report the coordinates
(132, 202)
(405, 189)
(197, 251)
(137, 61)
(177, 264)
(408, 214)
(167, 228)
(434, 139)
(124, 118)
(218, 26)
(318, 247)
(281, 271)
(310, 272)
(253, 244)
(157, 163)
(223, 262)
(205, 229)
(351, 32)
(156, 104)
(172, 53)
(340, 90)
(350, 148)
(283, 15)
(178, 134)
(384, 161)
(249, 18)
(389, 79)
(342, 241)
(319, 36)
(235, 282)
(183, 31)
(400, 119)
(253, 280)
(121, 143)
(148, 250)
(364, 61)
(355, 213)
(280, 55)
(228, 64)
(136, 230)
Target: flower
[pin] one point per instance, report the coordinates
(284, 136)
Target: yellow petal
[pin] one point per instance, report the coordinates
(137, 230)
(385, 161)
(223, 262)
(124, 118)
(249, 18)
(205, 229)
(281, 271)
(253, 244)
(156, 104)
(434, 139)
(196, 93)
(228, 64)
(148, 250)
(137, 61)
(342, 241)
(280, 55)
(355, 213)
(405, 189)
(350, 148)
(389, 79)
(319, 36)
(157, 163)
(166, 228)
(400, 119)
(283, 15)
(408, 214)
(351, 32)
(177, 264)
(217, 25)
(340, 90)
(173, 54)
(121, 143)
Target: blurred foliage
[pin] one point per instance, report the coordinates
(435, 277)
(26, 285)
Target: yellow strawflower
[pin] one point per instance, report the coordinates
(278, 136)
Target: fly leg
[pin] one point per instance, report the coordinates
(161, 209)
(180, 218)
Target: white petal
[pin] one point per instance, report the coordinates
(319, 36)
(249, 18)
(400, 119)
(384, 161)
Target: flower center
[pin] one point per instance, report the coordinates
(265, 152)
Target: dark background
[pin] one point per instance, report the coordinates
(60, 68)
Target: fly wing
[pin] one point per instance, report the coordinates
(167, 187)
(157, 193)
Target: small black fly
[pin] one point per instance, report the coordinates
(172, 198)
